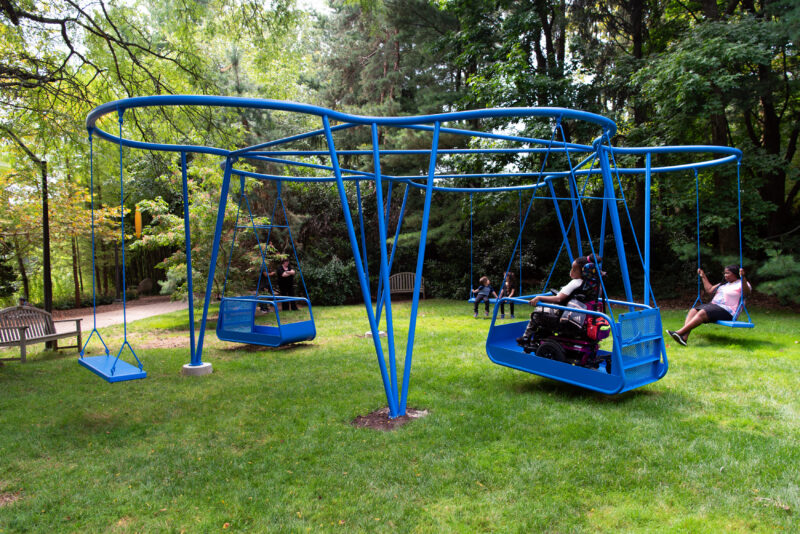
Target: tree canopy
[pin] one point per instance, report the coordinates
(667, 71)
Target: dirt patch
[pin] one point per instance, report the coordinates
(7, 498)
(379, 419)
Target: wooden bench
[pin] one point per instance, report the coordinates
(21, 326)
(404, 283)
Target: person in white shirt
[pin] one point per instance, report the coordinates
(724, 306)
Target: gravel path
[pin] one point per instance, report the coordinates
(111, 314)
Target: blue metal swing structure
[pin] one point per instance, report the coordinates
(237, 315)
(637, 354)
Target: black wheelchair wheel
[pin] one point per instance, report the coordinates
(552, 350)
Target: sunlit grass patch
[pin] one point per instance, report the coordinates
(265, 442)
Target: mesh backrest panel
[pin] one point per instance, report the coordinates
(636, 373)
(640, 350)
(237, 314)
(640, 324)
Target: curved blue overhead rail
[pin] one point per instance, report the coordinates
(637, 355)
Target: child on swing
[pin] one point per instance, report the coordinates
(482, 295)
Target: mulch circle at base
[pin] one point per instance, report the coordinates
(379, 419)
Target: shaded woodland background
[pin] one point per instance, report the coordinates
(667, 71)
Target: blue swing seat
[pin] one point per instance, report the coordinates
(111, 368)
(736, 324)
(637, 359)
(491, 300)
(236, 323)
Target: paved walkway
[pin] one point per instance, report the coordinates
(133, 311)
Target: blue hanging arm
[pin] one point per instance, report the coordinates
(697, 217)
(582, 217)
(262, 251)
(471, 277)
(122, 246)
(94, 280)
(519, 210)
(742, 305)
(291, 240)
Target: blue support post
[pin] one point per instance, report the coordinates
(647, 178)
(376, 340)
(386, 298)
(423, 236)
(187, 230)
(608, 182)
(212, 267)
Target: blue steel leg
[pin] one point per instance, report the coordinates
(608, 182)
(423, 236)
(223, 201)
(384, 269)
(376, 340)
(188, 232)
(647, 289)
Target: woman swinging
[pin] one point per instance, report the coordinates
(723, 307)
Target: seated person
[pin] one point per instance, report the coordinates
(723, 306)
(584, 286)
(482, 295)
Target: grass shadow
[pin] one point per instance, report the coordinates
(746, 343)
(247, 347)
(571, 392)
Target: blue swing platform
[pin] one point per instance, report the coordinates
(736, 324)
(638, 357)
(111, 368)
(237, 322)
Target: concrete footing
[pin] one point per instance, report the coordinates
(196, 370)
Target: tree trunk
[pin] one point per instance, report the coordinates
(76, 283)
(26, 285)
(118, 281)
(80, 266)
(774, 188)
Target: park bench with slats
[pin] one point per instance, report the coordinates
(21, 326)
(404, 283)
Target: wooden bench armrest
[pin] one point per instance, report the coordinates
(77, 320)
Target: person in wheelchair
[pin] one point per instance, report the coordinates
(567, 335)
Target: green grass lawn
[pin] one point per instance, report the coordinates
(265, 444)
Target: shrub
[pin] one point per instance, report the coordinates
(334, 283)
(782, 275)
